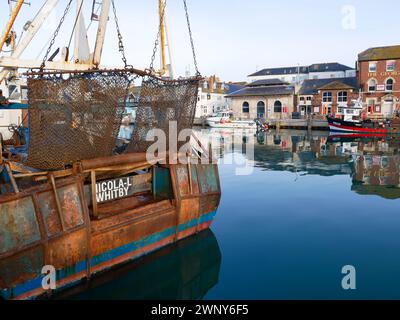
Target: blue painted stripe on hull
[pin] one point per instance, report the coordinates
(112, 254)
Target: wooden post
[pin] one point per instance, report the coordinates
(94, 198)
(190, 175)
(58, 204)
(12, 179)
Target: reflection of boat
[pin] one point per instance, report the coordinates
(186, 270)
(346, 137)
(223, 120)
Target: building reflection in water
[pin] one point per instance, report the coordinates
(373, 163)
(186, 270)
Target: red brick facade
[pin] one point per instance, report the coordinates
(379, 80)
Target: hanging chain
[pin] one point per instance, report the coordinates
(120, 39)
(191, 38)
(157, 42)
(53, 40)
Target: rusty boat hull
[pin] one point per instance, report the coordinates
(59, 223)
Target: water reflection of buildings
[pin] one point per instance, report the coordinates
(377, 169)
(373, 163)
(186, 270)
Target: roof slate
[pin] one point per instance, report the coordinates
(263, 91)
(311, 87)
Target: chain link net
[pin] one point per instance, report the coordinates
(75, 118)
(162, 101)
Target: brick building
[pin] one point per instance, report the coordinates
(378, 72)
(326, 96)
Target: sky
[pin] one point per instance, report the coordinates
(233, 38)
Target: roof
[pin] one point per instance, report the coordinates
(233, 87)
(264, 91)
(328, 67)
(335, 85)
(317, 67)
(380, 53)
(280, 71)
(311, 87)
(267, 82)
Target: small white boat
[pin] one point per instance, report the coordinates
(223, 120)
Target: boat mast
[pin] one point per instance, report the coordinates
(161, 10)
(10, 23)
(166, 69)
(101, 32)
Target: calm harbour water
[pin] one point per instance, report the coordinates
(311, 205)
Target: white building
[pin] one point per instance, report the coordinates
(297, 75)
(211, 97)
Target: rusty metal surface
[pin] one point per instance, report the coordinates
(71, 206)
(162, 102)
(62, 235)
(75, 117)
(18, 225)
(208, 178)
(21, 267)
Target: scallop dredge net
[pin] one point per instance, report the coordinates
(78, 117)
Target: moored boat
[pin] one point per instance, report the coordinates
(224, 120)
(351, 121)
(73, 205)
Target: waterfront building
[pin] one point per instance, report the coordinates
(211, 97)
(326, 96)
(297, 75)
(378, 71)
(265, 99)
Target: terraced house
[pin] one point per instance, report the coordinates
(378, 71)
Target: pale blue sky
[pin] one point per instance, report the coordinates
(235, 37)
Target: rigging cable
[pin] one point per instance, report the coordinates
(76, 22)
(191, 37)
(42, 66)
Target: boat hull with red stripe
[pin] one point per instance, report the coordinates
(339, 125)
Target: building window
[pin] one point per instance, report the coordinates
(371, 85)
(278, 107)
(308, 98)
(209, 97)
(390, 66)
(372, 67)
(389, 84)
(327, 97)
(260, 109)
(342, 96)
(245, 107)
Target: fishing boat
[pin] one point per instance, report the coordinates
(71, 205)
(351, 121)
(224, 120)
